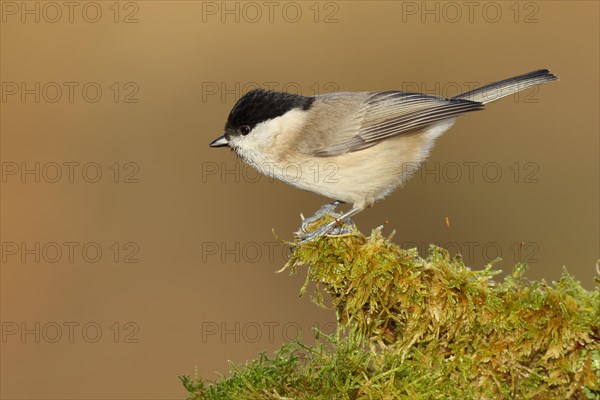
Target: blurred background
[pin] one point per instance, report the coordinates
(132, 252)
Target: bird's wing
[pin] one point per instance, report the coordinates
(368, 119)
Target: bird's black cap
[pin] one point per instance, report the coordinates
(260, 105)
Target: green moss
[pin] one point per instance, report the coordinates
(422, 328)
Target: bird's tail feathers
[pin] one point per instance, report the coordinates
(506, 87)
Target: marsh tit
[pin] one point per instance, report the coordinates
(353, 147)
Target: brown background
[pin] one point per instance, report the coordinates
(180, 295)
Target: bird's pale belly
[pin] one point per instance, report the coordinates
(365, 176)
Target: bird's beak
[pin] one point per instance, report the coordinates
(221, 141)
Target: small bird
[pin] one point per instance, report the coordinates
(353, 147)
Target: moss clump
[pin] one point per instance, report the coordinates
(422, 328)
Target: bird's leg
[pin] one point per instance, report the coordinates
(328, 228)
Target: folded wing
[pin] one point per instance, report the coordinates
(383, 115)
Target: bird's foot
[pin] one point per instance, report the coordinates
(333, 228)
(339, 226)
(328, 209)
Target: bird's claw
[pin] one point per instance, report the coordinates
(335, 227)
(328, 209)
(327, 230)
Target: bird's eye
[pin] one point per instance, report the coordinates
(244, 130)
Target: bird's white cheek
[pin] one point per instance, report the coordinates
(270, 135)
(265, 134)
(256, 148)
(279, 130)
